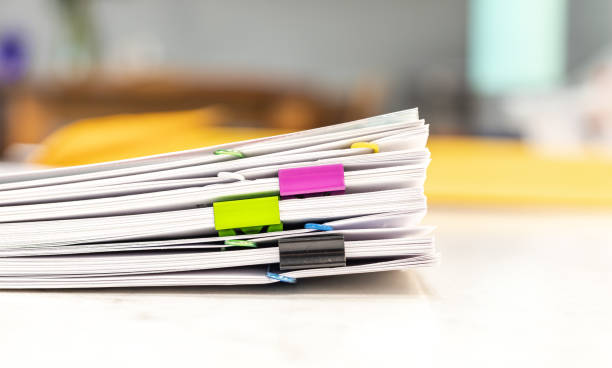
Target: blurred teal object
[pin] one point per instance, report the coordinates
(516, 45)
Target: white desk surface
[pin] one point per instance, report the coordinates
(526, 288)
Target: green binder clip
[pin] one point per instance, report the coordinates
(248, 215)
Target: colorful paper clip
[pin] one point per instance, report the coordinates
(320, 227)
(239, 243)
(230, 152)
(278, 277)
(248, 215)
(311, 179)
(373, 146)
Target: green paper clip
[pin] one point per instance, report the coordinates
(230, 152)
(239, 243)
(248, 215)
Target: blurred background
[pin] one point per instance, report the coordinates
(517, 92)
(519, 97)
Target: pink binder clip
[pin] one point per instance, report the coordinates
(311, 179)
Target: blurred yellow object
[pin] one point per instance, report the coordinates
(473, 171)
(125, 136)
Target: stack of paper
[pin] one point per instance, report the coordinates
(336, 200)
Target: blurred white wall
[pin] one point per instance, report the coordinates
(589, 29)
(333, 43)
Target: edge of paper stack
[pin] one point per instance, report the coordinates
(336, 200)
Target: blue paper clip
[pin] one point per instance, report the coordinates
(319, 227)
(281, 278)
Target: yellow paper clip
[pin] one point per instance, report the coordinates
(370, 145)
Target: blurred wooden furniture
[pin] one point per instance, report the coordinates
(33, 110)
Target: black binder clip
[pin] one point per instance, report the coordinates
(316, 251)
